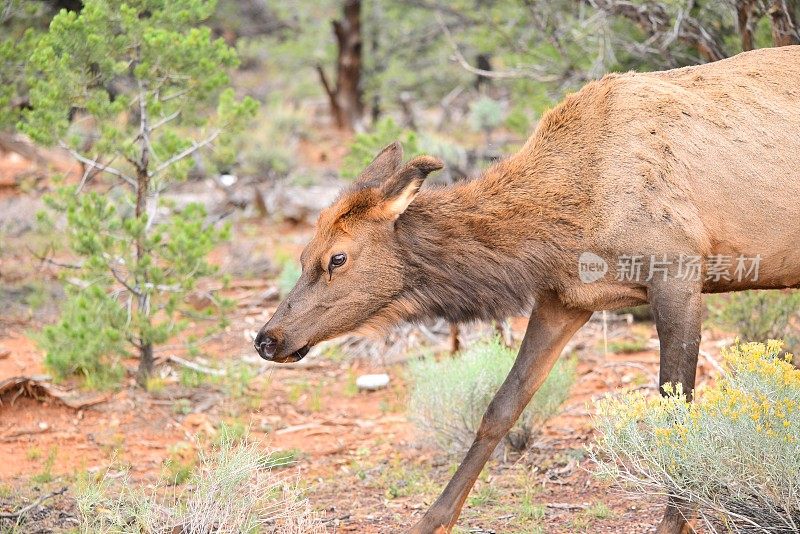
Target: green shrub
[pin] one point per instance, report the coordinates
(485, 114)
(449, 397)
(290, 271)
(627, 346)
(365, 146)
(231, 491)
(270, 147)
(87, 339)
(759, 315)
(734, 453)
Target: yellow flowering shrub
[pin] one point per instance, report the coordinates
(734, 453)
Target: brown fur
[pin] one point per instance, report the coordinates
(697, 161)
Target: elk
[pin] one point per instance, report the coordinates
(701, 162)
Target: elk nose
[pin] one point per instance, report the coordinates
(266, 346)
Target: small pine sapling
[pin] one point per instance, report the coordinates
(147, 77)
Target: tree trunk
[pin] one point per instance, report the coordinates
(346, 97)
(142, 303)
(747, 15)
(483, 62)
(142, 190)
(783, 19)
(145, 363)
(378, 66)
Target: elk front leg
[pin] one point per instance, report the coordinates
(551, 326)
(678, 312)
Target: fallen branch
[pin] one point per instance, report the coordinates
(11, 436)
(34, 504)
(39, 387)
(335, 519)
(196, 366)
(297, 428)
(567, 506)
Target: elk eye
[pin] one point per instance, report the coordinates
(337, 260)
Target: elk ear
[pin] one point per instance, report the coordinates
(399, 190)
(383, 166)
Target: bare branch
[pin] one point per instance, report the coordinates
(121, 280)
(97, 165)
(488, 73)
(158, 124)
(713, 362)
(324, 81)
(47, 259)
(188, 152)
(654, 19)
(175, 95)
(88, 174)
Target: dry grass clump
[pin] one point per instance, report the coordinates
(233, 489)
(734, 453)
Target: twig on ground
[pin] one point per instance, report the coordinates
(297, 428)
(333, 519)
(34, 504)
(196, 366)
(567, 506)
(652, 375)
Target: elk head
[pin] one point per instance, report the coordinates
(353, 267)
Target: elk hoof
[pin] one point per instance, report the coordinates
(429, 526)
(417, 529)
(674, 525)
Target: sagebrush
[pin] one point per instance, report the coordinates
(366, 145)
(234, 489)
(450, 396)
(734, 453)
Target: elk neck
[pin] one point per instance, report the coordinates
(485, 249)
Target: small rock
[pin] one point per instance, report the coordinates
(43, 425)
(4, 353)
(228, 179)
(372, 382)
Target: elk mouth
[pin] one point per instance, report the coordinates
(269, 349)
(297, 355)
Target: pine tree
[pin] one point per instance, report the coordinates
(146, 73)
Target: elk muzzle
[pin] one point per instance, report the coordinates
(272, 347)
